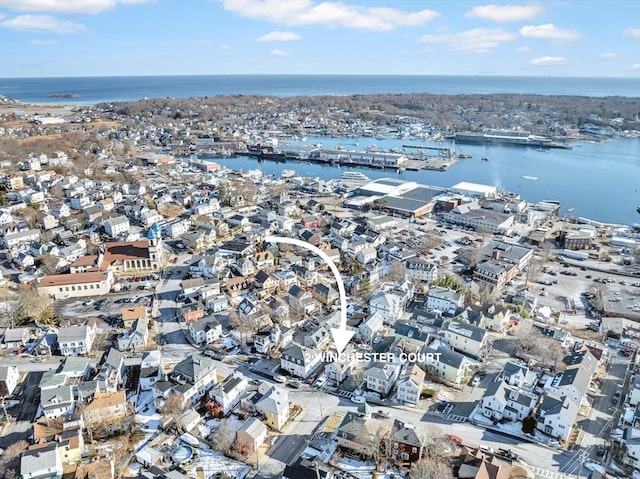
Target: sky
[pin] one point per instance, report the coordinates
(585, 38)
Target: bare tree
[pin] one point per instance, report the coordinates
(172, 409)
(224, 437)
(397, 271)
(10, 459)
(431, 240)
(435, 467)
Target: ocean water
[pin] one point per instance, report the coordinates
(599, 181)
(105, 89)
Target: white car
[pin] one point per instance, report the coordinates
(358, 399)
(280, 378)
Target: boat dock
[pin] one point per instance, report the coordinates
(419, 158)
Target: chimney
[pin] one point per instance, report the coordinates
(495, 254)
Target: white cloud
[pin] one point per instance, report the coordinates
(329, 14)
(479, 40)
(548, 61)
(65, 6)
(44, 43)
(225, 48)
(632, 32)
(608, 56)
(279, 53)
(524, 49)
(549, 31)
(635, 67)
(41, 23)
(279, 37)
(505, 13)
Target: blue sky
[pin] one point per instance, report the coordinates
(41, 38)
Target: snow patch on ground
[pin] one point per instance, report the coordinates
(213, 462)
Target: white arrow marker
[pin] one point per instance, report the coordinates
(341, 335)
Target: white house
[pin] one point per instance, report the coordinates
(449, 365)
(151, 369)
(381, 377)
(194, 376)
(274, 404)
(556, 416)
(229, 392)
(465, 338)
(371, 326)
(367, 255)
(74, 340)
(409, 385)
(501, 401)
(251, 434)
(136, 339)
(176, 228)
(39, 463)
(388, 305)
(9, 376)
(421, 269)
(205, 330)
(444, 299)
(57, 402)
(341, 366)
(300, 361)
(117, 226)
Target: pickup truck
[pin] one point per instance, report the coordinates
(508, 453)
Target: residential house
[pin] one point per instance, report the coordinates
(465, 338)
(357, 432)
(448, 365)
(502, 401)
(9, 377)
(151, 369)
(41, 463)
(381, 377)
(194, 376)
(342, 365)
(301, 299)
(407, 447)
(111, 373)
(136, 338)
(410, 337)
(367, 255)
(106, 409)
(410, 383)
(57, 401)
(74, 340)
(192, 311)
(370, 327)
(21, 237)
(262, 342)
(117, 226)
(300, 361)
(420, 269)
(388, 305)
(205, 330)
(475, 464)
(229, 392)
(265, 283)
(443, 299)
(325, 294)
(251, 434)
(132, 314)
(274, 405)
(631, 441)
(519, 375)
(15, 337)
(556, 416)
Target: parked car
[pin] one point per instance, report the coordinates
(382, 413)
(457, 439)
(280, 378)
(358, 399)
(475, 382)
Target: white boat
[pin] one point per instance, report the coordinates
(354, 177)
(287, 173)
(531, 178)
